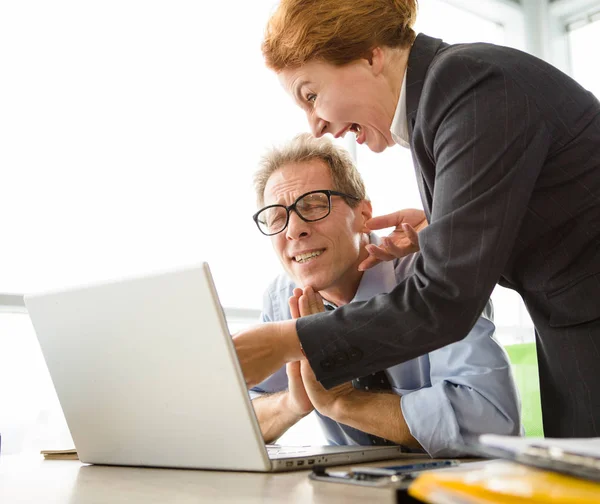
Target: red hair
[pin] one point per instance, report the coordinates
(335, 31)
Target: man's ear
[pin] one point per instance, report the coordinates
(366, 212)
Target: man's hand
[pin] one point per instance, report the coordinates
(263, 349)
(402, 241)
(297, 400)
(302, 303)
(326, 402)
(305, 302)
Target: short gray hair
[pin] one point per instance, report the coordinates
(303, 148)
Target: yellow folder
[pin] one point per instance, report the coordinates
(502, 482)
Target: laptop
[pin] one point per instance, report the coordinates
(147, 375)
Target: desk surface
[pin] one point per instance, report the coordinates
(29, 478)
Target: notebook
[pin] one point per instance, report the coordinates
(147, 375)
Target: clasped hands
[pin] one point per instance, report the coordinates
(305, 393)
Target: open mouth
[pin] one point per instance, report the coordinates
(358, 131)
(355, 128)
(308, 256)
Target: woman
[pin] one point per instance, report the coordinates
(506, 151)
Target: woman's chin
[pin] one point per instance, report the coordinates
(377, 147)
(377, 143)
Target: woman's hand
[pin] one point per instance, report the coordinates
(402, 241)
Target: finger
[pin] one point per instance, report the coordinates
(303, 305)
(294, 309)
(292, 368)
(369, 262)
(385, 221)
(380, 253)
(398, 250)
(411, 233)
(319, 301)
(308, 375)
(315, 302)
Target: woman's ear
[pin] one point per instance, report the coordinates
(377, 60)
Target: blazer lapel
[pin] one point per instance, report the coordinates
(422, 53)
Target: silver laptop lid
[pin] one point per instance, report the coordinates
(146, 373)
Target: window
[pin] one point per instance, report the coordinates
(583, 35)
(130, 134)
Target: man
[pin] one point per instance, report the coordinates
(314, 208)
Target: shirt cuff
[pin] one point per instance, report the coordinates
(432, 421)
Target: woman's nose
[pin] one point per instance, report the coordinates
(318, 127)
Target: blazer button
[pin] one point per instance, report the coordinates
(354, 354)
(341, 358)
(327, 364)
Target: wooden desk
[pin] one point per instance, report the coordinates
(29, 479)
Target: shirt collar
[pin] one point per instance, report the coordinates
(380, 279)
(399, 128)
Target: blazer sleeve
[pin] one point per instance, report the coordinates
(480, 142)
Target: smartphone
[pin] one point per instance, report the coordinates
(399, 476)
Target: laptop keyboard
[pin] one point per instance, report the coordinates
(279, 451)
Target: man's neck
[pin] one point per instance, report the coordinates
(344, 291)
(340, 296)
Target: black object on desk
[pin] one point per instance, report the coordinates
(398, 477)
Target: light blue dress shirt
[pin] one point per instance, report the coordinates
(448, 396)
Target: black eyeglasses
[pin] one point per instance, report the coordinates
(310, 207)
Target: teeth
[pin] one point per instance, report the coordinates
(308, 256)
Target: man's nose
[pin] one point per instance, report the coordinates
(296, 228)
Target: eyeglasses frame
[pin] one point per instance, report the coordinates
(291, 207)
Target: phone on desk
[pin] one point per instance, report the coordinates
(398, 476)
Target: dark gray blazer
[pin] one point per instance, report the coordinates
(507, 155)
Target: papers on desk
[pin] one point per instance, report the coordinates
(574, 456)
(60, 454)
(586, 447)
